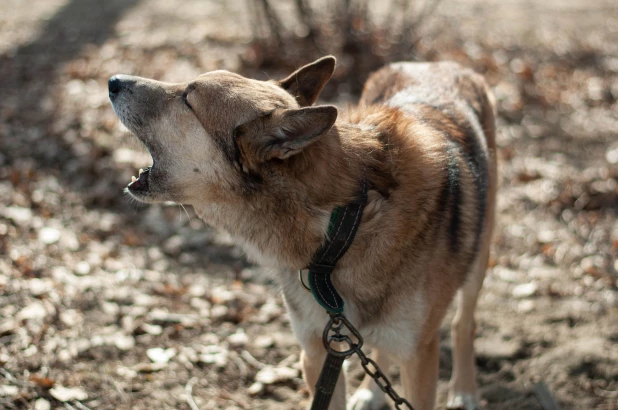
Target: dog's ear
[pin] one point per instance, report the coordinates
(306, 83)
(282, 134)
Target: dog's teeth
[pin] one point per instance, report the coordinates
(140, 171)
(133, 179)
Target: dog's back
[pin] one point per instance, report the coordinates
(455, 105)
(456, 102)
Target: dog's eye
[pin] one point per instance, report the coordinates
(184, 98)
(237, 131)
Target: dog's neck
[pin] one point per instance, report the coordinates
(285, 227)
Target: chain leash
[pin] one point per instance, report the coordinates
(332, 334)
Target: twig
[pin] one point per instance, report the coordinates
(229, 396)
(82, 406)
(189, 393)
(306, 15)
(255, 22)
(242, 367)
(12, 378)
(545, 397)
(427, 11)
(7, 375)
(609, 394)
(251, 360)
(184, 209)
(288, 361)
(273, 20)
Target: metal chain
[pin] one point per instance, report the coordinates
(332, 333)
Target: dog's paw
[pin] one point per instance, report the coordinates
(365, 399)
(463, 401)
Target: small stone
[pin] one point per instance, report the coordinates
(544, 273)
(34, 311)
(30, 351)
(270, 374)
(593, 264)
(264, 341)
(143, 299)
(64, 356)
(238, 339)
(71, 317)
(42, 404)
(160, 355)
(498, 348)
(255, 389)
(526, 306)
(173, 245)
(269, 311)
(197, 290)
(218, 312)
(154, 330)
(505, 274)
(214, 354)
(49, 236)
(17, 214)
(8, 391)
(126, 373)
(525, 290)
(39, 286)
(612, 156)
(546, 236)
(221, 295)
(65, 394)
(82, 268)
(124, 342)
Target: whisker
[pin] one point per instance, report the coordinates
(185, 209)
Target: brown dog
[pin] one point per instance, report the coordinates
(256, 159)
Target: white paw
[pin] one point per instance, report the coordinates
(463, 401)
(365, 399)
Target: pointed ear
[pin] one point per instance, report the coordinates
(298, 128)
(283, 134)
(306, 83)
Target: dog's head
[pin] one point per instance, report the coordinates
(214, 136)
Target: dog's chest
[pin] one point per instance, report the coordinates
(396, 334)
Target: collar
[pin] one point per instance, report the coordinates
(344, 222)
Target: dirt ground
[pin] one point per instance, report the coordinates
(107, 304)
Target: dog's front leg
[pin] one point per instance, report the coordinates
(312, 359)
(419, 375)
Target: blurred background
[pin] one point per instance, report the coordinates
(108, 304)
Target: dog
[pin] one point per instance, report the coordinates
(260, 161)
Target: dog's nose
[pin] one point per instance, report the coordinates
(114, 86)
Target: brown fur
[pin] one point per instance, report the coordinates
(272, 168)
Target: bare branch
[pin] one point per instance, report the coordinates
(189, 393)
(273, 20)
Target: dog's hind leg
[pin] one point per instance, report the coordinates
(312, 359)
(463, 390)
(419, 375)
(368, 396)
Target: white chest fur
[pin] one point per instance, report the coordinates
(395, 335)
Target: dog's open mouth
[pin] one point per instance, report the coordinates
(140, 184)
